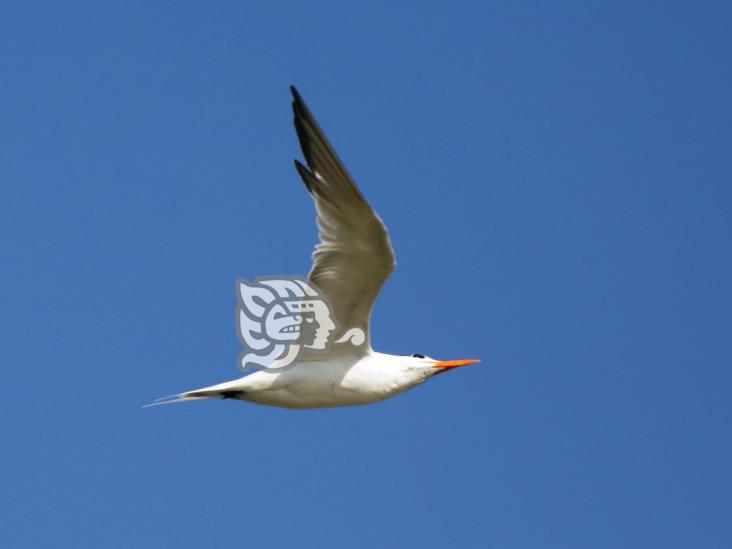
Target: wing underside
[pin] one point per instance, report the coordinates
(354, 256)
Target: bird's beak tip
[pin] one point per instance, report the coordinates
(456, 363)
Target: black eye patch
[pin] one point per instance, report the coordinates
(417, 356)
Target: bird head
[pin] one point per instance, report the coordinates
(435, 366)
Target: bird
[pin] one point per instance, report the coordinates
(351, 263)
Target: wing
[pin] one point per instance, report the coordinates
(354, 257)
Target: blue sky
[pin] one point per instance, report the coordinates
(556, 180)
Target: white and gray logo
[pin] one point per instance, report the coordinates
(278, 317)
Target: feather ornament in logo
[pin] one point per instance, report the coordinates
(280, 317)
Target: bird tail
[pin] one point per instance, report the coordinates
(222, 390)
(175, 399)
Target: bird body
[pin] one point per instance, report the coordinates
(350, 265)
(341, 381)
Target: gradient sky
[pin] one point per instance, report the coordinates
(556, 180)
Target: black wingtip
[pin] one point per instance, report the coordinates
(295, 93)
(305, 174)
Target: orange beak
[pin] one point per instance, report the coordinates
(455, 363)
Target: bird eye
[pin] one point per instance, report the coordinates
(415, 355)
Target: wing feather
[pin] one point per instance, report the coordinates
(354, 256)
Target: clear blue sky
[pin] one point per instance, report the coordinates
(556, 180)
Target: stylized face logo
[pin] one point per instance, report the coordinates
(303, 321)
(278, 317)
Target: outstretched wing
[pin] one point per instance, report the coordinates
(354, 257)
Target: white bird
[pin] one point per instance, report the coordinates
(350, 265)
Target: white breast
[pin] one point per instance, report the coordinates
(334, 382)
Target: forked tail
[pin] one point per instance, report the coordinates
(175, 399)
(222, 390)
